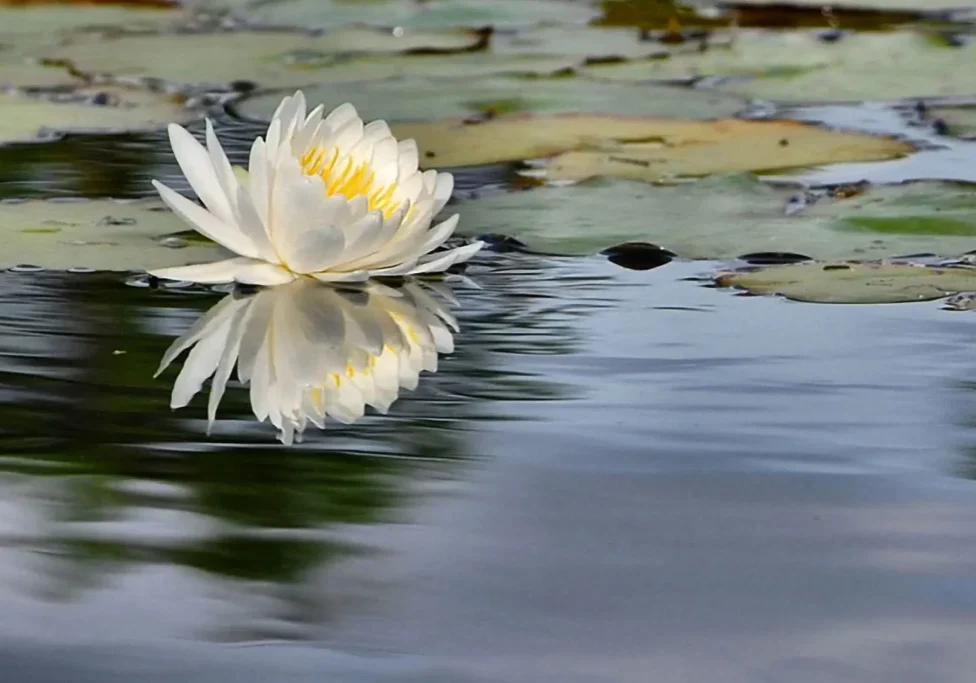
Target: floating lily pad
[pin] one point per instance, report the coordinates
(24, 117)
(641, 148)
(18, 23)
(728, 216)
(473, 65)
(102, 234)
(583, 41)
(21, 74)
(430, 13)
(853, 283)
(799, 66)
(273, 58)
(959, 121)
(688, 148)
(927, 5)
(426, 99)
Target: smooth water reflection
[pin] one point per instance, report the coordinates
(615, 475)
(311, 351)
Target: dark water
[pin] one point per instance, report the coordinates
(617, 476)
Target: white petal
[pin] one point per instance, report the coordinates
(384, 161)
(442, 191)
(259, 181)
(353, 276)
(304, 221)
(243, 270)
(408, 159)
(340, 115)
(198, 168)
(444, 261)
(242, 209)
(206, 223)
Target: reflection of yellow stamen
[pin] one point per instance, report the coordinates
(336, 379)
(350, 371)
(349, 181)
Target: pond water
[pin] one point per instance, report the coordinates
(615, 475)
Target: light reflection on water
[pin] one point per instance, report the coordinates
(608, 460)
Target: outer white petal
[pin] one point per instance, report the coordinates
(243, 212)
(197, 166)
(443, 188)
(351, 276)
(340, 115)
(244, 270)
(442, 262)
(206, 223)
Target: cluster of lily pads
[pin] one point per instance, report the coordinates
(715, 131)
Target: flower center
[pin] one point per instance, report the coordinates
(348, 180)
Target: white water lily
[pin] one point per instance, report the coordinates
(324, 196)
(310, 350)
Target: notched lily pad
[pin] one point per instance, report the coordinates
(102, 234)
(853, 283)
(272, 58)
(725, 217)
(642, 148)
(28, 117)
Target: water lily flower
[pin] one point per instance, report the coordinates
(311, 351)
(323, 196)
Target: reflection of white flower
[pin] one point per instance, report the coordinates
(326, 197)
(310, 350)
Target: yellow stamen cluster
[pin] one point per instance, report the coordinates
(349, 180)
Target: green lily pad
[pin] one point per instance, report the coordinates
(473, 65)
(22, 74)
(422, 99)
(24, 117)
(960, 121)
(103, 234)
(273, 58)
(21, 25)
(927, 5)
(728, 216)
(428, 14)
(798, 66)
(853, 283)
(640, 148)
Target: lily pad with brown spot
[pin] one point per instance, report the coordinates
(799, 66)
(853, 283)
(270, 58)
(642, 148)
(27, 117)
(102, 234)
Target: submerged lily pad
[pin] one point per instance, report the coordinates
(101, 234)
(424, 99)
(728, 216)
(273, 58)
(641, 148)
(799, 66)
(24, 117)
(853, 283)
(429, 13)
